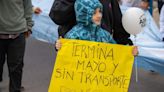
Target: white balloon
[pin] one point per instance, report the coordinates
(134, 20)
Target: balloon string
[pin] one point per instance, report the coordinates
(136, 68)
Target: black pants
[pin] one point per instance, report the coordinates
(2, 58)
(14, 50)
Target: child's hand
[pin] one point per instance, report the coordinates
(58, 44)
(135, 51)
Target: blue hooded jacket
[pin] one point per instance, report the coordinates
(85, 29)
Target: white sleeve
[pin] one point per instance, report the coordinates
(162, 21)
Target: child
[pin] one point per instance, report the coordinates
(63, 14)
(88, 22)
(144, 4)
(88, 17)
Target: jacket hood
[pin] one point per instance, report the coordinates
(85, 9)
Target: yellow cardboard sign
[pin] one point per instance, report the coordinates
(85, 66)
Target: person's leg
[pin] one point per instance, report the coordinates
(15, 55)
(2, 58)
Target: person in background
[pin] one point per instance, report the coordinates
(15, 25)
(63, 14)
(144, 4)
(160, 4)
(36, 10)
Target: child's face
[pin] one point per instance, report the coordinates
(97, 16)
(144, 5)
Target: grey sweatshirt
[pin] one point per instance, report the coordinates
(15, 16)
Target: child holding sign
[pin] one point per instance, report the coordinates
(88, 17)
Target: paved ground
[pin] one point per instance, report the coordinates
(39, 61)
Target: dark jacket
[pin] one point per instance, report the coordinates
(62, 13)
